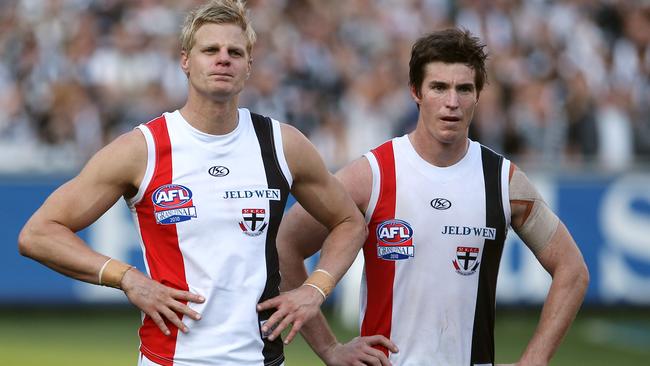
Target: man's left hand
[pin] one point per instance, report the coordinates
(293, 308)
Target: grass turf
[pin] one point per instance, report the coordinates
(108, 336)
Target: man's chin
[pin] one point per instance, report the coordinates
(222, 94)
(450, 138)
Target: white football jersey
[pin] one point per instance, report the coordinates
(432, 254)
(207, 212)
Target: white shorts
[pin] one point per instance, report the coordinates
(144, 361)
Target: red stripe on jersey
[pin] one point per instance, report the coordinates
(163, 254)
(380, 273)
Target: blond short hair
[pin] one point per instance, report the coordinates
(218, 12)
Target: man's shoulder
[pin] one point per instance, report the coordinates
(121, 163)
(385, 151)
(126, 155)
(291, 133)
(158, 121)
(357, 179)
(132, 141)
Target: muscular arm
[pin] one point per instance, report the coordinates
(558, 253)
(49, 235)
(306, 229)
(299, 237)
(324, 198)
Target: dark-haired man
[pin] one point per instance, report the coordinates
(438, 207)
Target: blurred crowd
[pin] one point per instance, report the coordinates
(569, 81)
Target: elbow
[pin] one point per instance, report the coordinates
(26, 242)
(363, 231)
(578, 278)
(28, 239)
(574, 277)
(583, 277)
(362, 235)
(289, 257)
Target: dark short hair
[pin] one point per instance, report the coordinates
(451, 45)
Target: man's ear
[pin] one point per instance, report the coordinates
(185, 63)
(415, 94)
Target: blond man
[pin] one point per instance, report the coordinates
(207, 185)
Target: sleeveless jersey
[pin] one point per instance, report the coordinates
(432, 254)
(207, 212)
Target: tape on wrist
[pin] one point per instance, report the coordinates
(322, 281)
(327, 273)
(112, 272)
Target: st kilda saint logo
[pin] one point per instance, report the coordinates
(466, 261)
(254, 221)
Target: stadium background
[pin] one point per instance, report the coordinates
(568, 100)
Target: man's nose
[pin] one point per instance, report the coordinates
(452, 100)
(223, 57)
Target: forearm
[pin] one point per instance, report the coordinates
(57, 247)
(562, 303)
(342, 246)
(292, 268)
(319, 336)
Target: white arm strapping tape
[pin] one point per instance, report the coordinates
(540, 225)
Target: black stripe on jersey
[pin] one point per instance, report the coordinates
(483, 334)
(273, 350)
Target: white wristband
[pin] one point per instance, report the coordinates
(317, 288)
(324, 271)
(101, 271)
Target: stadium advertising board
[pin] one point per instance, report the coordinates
(608, 216)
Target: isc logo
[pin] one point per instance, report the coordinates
(171, 195)
(394, 232)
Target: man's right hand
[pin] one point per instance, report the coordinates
(159, 301)
(360, 351)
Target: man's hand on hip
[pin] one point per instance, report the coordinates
(360, 351)
(293, 308)
(159, 301)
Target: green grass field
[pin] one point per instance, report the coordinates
(108, 337)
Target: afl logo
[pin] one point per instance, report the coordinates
(394, 232)
(171, 195)
(395, 240)
(218, 171)
(440, 203)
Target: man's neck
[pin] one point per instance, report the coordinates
(214, 118)
(435, 152)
